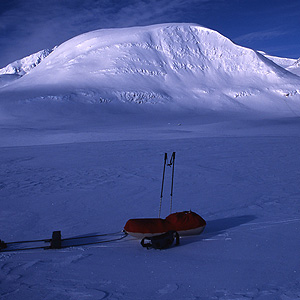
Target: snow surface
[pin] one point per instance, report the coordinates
(79, 154)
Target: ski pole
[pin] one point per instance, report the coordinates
(162, 184)
(172, 162)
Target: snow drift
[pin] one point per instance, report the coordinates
(183, 64)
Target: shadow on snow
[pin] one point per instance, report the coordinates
(218, 227)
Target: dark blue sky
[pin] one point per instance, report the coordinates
(27, 26)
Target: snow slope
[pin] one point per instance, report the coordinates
(292, 65)
(280, 61)
(183, 64)
(295, 67)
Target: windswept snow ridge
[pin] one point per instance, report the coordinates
(24, 65)
(295, 67)
(184, 64)
(292, 65)
(280, 61)
(21, 67)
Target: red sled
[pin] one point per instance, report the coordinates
(185, 223)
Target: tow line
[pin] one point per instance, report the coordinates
(56, 242)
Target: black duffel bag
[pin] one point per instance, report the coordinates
(162, 241)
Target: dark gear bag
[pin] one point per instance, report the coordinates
(162, 241)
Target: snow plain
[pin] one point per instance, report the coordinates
(82, 152)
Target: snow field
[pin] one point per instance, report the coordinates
(245, 187)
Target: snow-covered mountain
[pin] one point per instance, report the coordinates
(183, 64)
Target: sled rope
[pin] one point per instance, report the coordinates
(99, 242)
(124, 235)
(90, 236)
(73, 238)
